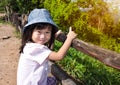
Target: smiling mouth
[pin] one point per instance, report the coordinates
(42, 40)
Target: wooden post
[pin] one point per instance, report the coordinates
(62, 76)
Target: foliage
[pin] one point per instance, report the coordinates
(95, 26)
(88, 70)
(115, 31)
(22, 6)
(9, 3)
(27, 5)
(60, 12)
(110, 43)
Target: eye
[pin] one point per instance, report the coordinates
(38, 31)
(48, 32)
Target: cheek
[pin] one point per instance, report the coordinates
(34, 36)
(49, 37)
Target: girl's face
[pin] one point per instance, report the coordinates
(42, 36)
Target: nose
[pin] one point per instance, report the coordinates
(42, 36)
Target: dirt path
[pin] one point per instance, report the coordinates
(9, 55)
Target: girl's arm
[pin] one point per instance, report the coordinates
(63, 50)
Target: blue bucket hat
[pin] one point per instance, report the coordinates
(40, 16)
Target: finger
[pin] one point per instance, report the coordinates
(59, 31)
(70, 29)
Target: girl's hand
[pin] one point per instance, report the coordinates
(71, 34)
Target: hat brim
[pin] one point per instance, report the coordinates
(39, 20)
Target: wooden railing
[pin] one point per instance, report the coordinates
(107, 57)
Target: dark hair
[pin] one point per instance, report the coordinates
(27, 34)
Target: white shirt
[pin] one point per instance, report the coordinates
(33, 65)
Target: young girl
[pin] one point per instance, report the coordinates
(37, 39)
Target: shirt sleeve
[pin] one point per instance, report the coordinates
(38, 53)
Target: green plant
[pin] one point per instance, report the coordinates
(87, 69)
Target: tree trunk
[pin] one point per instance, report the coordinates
(8, 12)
